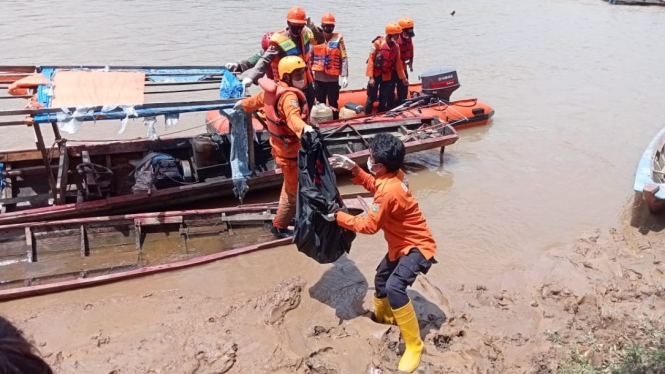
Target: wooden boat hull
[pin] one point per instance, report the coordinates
(459, 114)
(46, 257)
(118, 154)
(650, 175)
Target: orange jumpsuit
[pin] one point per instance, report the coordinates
(285, 157)
(394, 210)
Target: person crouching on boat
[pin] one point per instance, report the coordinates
(384, 67)
(244, 65)
(295, 40)
(411, 246)
(286, 110)
(329, 62)
(405, 43)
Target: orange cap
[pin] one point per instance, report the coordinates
(296, 16)
(328, 19)
(406, 22)
(393, 28)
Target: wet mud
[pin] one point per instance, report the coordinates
(598, 293)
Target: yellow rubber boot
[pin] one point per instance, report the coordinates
(408, 326)
(382, 311)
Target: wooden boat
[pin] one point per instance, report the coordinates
(44, 257)
(78, 179)
(650, 176)
(432, 101)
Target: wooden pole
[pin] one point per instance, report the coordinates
(56, 130)
(42, 148)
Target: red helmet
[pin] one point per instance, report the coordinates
(265, 42)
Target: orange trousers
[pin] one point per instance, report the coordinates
(287, 199)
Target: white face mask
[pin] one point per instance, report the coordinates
(370, 167)
(299, 84)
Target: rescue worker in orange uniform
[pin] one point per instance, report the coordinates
(241, 66)
(295, 40)
(286, 111)
(411, 246)
(405, 43)
(384, 67)
(329, 62)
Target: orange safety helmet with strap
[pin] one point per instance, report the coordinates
(275, 125)
(328, 19)
(327, 57)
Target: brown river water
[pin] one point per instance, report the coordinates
(576, 86)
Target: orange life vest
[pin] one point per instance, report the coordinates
(275, 125)
(405, 48)
(289, 48)
(385, 57)
(328, 56)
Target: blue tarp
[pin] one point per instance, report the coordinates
(232, 88)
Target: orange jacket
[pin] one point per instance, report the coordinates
(395, 211)
(288, 109)
(380, 48)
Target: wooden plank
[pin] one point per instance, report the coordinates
(153, 221)
(91, 281)
(63, 173)
(47, 165)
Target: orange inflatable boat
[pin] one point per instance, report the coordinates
(429, 99)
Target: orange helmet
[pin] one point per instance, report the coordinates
(406, 22)
(393, 29)
(296, 16)
(328, 19)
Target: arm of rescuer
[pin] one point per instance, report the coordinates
(285, 109)
(345, 59)
(245, 65)
(400, 67)
(378, 214)
(262, 65)
(369, 72)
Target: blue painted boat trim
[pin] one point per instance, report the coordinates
(150, 112)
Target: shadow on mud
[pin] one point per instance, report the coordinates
(642, 219)
(430, 315)
(343, 288)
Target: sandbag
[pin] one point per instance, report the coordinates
(319, 239)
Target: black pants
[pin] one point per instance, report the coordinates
(385, 89)
(402, 89)
(330, 91)
(392, 277)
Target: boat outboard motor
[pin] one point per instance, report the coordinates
(440, 83)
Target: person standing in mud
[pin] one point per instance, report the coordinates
(411, 246)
